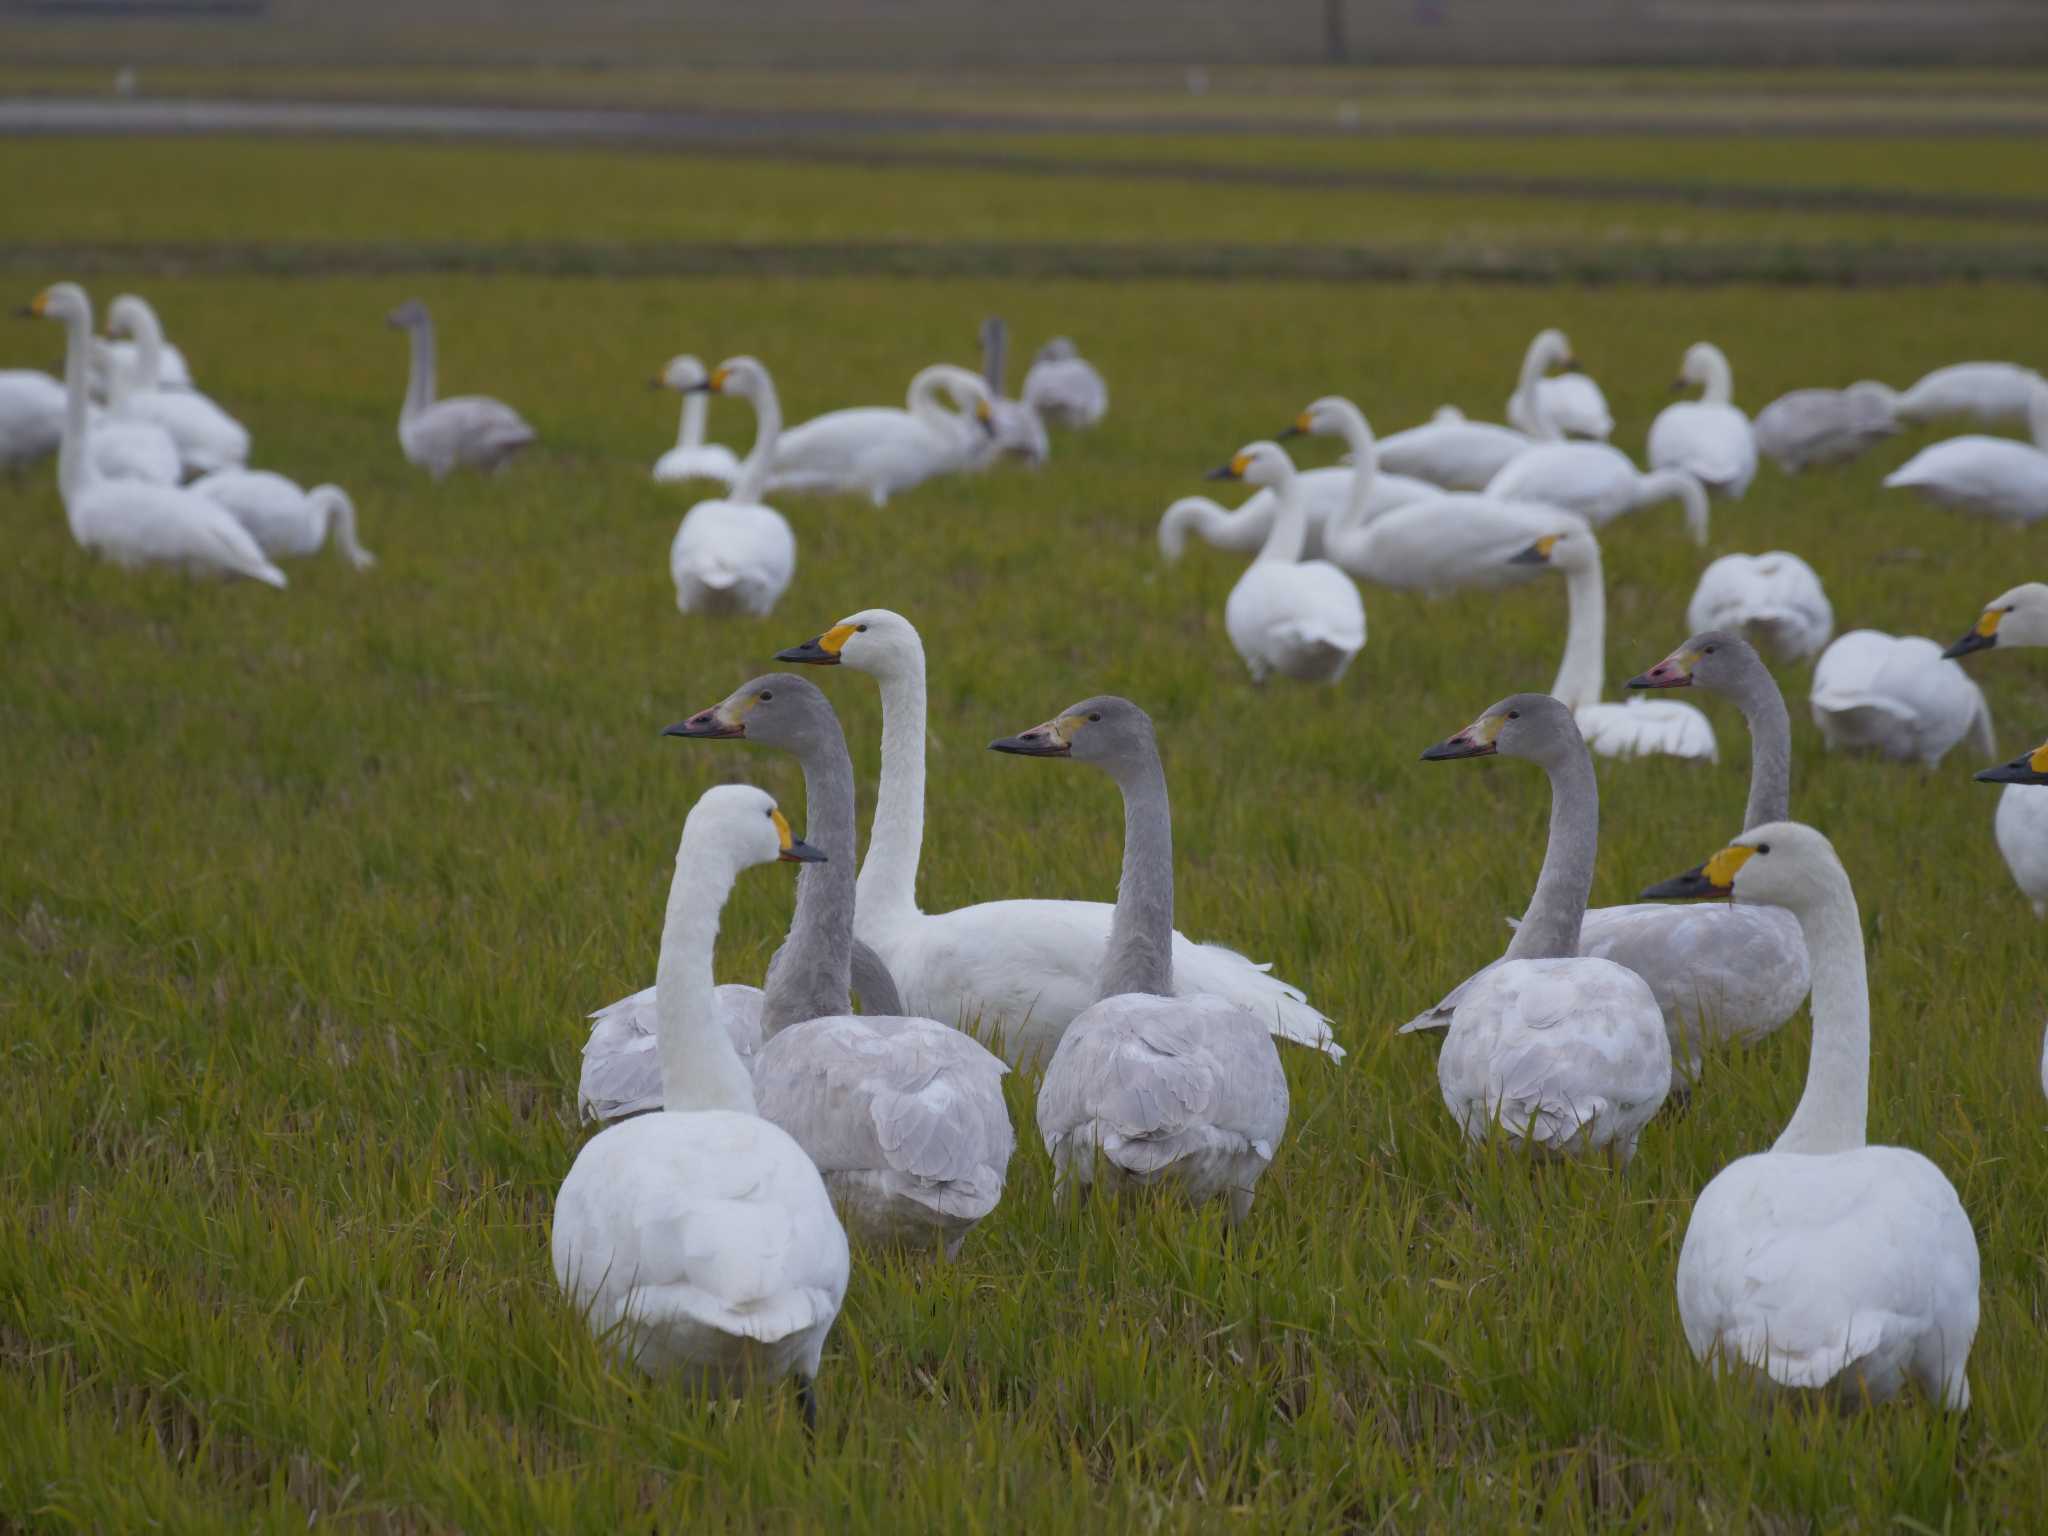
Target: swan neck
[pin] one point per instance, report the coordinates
(1288, 536)
(338, 517)
(887, 891)
(690, 429)
(1719, 388)
(149, 347)
(1544, 430)
(700, 1070)
(1140, 953)
(1581, 675)
(1550, 928)
(1365, 473)
(1834, 1110)
(812, 976)
(1667, 484)
(419, 388)
(753, 475)
(1770, 746)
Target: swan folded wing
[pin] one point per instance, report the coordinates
(621, 1067)
(1717, 971)
(1648, 727)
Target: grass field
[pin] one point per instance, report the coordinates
(303, 897)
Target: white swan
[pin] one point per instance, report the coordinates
(1019, 429)
(1465, 455)
(1992, 475)
(1064, 387)
(1599, 482)
(1300, 618)
(1571, 402)
(692, 458)
(1708, 438)
(208, 438)
(2021, 826)
(31, 416)
(1996, 394)
(732, 554)
(129, 522)
(130, 448)
(283, 517)
(879, 451)
(700, 1241)
(173, 372)
(1149, 1088)
(1898, 696)
(1775, 600)
(1824, 426)
(1022, 969)
(1826, 1263)
(460, 432)
(2013, 618)
(1565, 1054)
(1640, 727)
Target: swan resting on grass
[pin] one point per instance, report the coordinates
(732, 554)
(283, 517)
(460, 432)
(1775, 600)
(691, 458)
(1897, 696)
(1708, 438)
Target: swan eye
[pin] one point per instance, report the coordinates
(1763, 847)
(1707, 651)
(860, 629)
(1514, 714)
(1096, 716)
(766, 695)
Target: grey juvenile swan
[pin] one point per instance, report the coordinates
(463, 431)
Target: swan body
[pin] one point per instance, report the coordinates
(1995, 394)
(734, 555)
(131, 449)
(1448, 543)
(1300, 618)
(1774, 600)
(1708, 438)
(459, 432)
(1149, 1087)
(1243, 530)
(1896, 695)
(1064, 388)
(31, 416)
(692, 458)
(1823, 426)
(1016, 970)
(880, 451)
(1571, 402)
(1458, 455)
(2021, 830)
(2015, 618)
(130, 522)
(112, 357)
(700, 1241)
(285, 519)
(1599, 483)
(208, 438)
(1992, 475)
(1826, 1264)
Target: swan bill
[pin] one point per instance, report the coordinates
(1537, 553)
(1479, 739)
(820, 650)
(1674, 671)
(717, 723)
(1982, 636)
(1716, 877)
(2027, 768)
(1055, 738)
(1234, 470)
(1301, 427)
(794, 849)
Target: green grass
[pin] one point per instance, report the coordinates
(303, 897)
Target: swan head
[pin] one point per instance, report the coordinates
(741, 826)
(1715, 658)
(1527, 725)
(1331, 416)
(408, 316)
(1256, 464)
(682, 373)
(1780, 864)
(1704, 362)
(777, 709)
(2018, 617)
(744, 378)
(1105, 730)
(1553, 349)
(875, 641)
(59, 301)
(1571, 548)
(2027, 768)
(1058, 350)
(130, 315)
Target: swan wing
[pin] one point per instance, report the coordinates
(1066, 391)
(1776, 598)
(1712, 443)
(1642, 727)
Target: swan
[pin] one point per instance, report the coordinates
(700, 1242)
(208, 438)
(129, 522)
(1898, 696)
(1826, 1263)
(1708, 438)
(1301, 618)
(1571, 402)
(1019, 429)
(172, 372)
(732, 554)
(621, 1074)
(2017, 617)
(1020, 969)
(129, 448)
(31, 416)
(461, 432)
(1465, 455)
(1640, 727)
(1064, 387)
(1993, 393)
(1598, 482)
(1824, 426)
(2021, 826)
(1151, 1087)
(285, 519)
(1992, 475)
(1566, 1054)
(880, 450)
(692, 458)
(1775, 600)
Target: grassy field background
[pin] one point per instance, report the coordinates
(303, 897)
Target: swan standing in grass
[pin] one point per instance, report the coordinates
(1993, 475)
(1995, 394)
(2022, 823)
(208, 438)
(1824, 426)
(1064, 387)
(2017, 617)
(285, 519)
(1150, 1087)
(700, 1241)
(461, 432)
(1466, 455)
(31, 416)
(692, 458)
(1898, 696)
(732, 554)
(1018, 969)
(1775, 600)
(879, 451)
(1300, 618)
(129, 522)
(1826, 1263)
(1599, 483)
(1708, 438)
(1019, 429)
(1640, 727)
(1567, 1054)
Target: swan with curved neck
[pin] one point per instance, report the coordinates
(462, 431)
(1826, 1263)
(208, 438)
(1020, 969)
(285, 519)
(732, 554)
(752, 1293)
(1708, 438)
(1595, 480)
(879, 450)
(1150, 1088)
(691, 458)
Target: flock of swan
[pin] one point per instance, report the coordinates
(753, 1136)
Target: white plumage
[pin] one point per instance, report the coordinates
(1823, 426)
(692, 458)
(1995, 394)
(1599, 483)
(621, 1073)
(1992, 475)
(1570, 402)
(31, 416)
(735, 555)
(2021, 829)
(1452, 452)
(1325, 494)
(284, 518)
(208, 438)
(1897, 696)
(1708, 438)
(1774, 600)
(879, 451)
(1064, 388)
(1300, 618)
